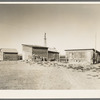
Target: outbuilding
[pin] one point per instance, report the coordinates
(88, 56)
(30, 51)
(62, 58)
(8, 54)
(53, 55)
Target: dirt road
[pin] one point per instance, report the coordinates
(21, 75)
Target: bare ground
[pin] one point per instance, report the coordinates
(20, 75)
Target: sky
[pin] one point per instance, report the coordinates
(68, 26)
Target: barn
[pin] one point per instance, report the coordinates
(34, 50)
(88, 56)
(8, 54)
(53, 55)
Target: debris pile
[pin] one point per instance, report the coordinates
(78, 67)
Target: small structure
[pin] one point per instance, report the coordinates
(19, 57)
(53, 55)
(89, 56)
(34, 52)
(62, 58)
(7, 54)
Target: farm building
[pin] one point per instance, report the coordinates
(7, 54)
(33, 50)
(62, 58)
(53, 55)
(89, 56)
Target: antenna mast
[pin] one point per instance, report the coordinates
(45, 40)
(95, 45)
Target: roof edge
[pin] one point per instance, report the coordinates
(53, 51)
(37, 46)
(82, 49)
(79, 49)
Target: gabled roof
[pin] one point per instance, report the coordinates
(35, 46)
(53, 50)
(8, 50)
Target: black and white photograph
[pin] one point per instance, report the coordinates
(50, 46)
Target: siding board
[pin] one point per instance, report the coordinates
(82, 56)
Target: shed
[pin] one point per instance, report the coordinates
(34, 50)
(20, 57)
(53, 55)
(8, 54)
(89, 56)
(62, 58)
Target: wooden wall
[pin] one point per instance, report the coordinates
(42, 52)
(1, 55)
(53, 55)
(79, 56)
(10, 56)
(96, 57)
(27, 52)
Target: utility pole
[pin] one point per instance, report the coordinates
(45, 40)
(95, 46)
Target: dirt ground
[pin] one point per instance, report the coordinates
(21, 75)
